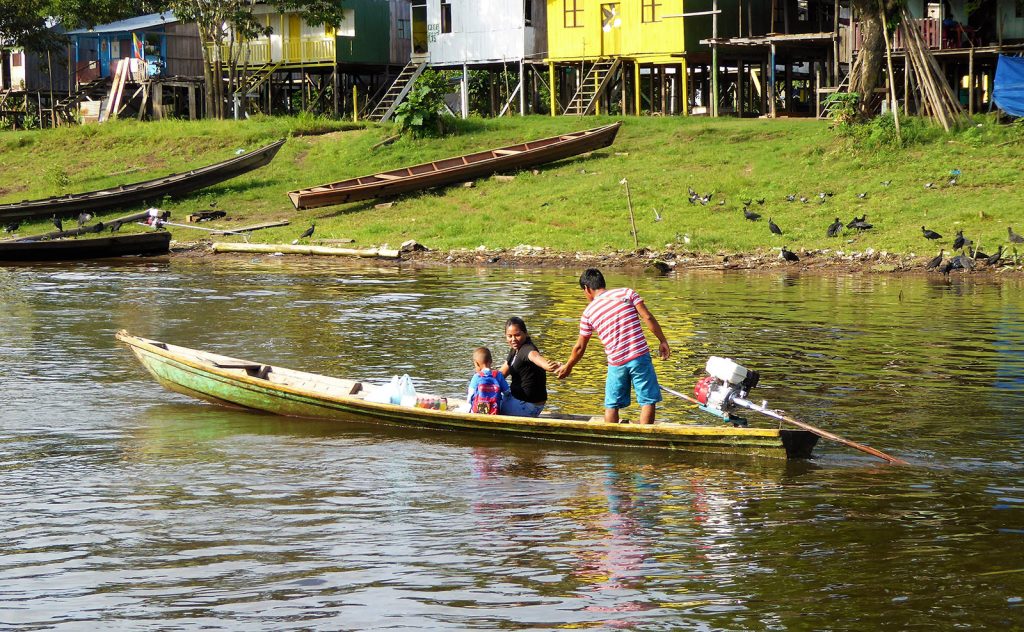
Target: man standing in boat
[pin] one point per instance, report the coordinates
(616, 316)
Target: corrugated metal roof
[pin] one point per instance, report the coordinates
(139, 23)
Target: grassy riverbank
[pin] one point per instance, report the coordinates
(572, 206)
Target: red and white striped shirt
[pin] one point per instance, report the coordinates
(612, 314)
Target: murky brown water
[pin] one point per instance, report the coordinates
(124, 506)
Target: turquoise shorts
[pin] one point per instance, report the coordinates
(638, 372)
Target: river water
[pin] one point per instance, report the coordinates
(125, 506)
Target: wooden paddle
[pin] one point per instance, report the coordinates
(799, 424)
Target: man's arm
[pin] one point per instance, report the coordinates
(652, 324)
(577, 352)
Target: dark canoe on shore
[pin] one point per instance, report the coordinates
(141, 244)
(458, 169)
(130, 194)
(255, 386)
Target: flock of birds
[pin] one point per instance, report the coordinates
(965, 260)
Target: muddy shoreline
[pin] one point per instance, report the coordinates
(657, 262)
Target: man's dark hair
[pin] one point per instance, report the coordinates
(592, 279)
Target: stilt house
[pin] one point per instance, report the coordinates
(629, 56)
(300, 66)
(504, 37)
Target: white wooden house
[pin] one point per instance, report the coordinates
(493, 35)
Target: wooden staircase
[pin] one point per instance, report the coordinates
(257, 78)
(385, 108)
(596, 81)
(825, 108)
(66, 109)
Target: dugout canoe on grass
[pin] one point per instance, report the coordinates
(458, 169)
(257, 386)
(130, 194)
(140, 244)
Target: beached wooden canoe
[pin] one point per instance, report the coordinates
(458, 169)
(128, 194)
(141, 244)
(256, 386)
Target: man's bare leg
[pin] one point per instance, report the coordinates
(611, 415)
(646, 414)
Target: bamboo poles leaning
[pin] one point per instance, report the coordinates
(937, 97)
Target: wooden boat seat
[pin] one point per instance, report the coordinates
(507, 152)
(386, 176)
(251, 369)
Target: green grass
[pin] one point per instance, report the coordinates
(576, 205)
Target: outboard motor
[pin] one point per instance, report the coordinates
(725, 384)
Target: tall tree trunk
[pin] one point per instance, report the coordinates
(868, 69)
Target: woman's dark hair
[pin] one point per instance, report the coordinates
(518, 322)
(592, 279)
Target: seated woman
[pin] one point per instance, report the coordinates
(527, 371)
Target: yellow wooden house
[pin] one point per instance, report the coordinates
(626, 55)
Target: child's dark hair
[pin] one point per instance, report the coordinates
(592, 279)
(518, 322)
(483, 354)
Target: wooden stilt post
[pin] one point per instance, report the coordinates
(552, 89)
(970, 81)
(685, 89)
(636, 88)
(714, 58)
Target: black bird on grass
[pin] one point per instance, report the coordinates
(306, 233)
(760, 201)
(935, 262)
(115, 226)
(861, 223)
(12, 227)
(789, 255)
(1014, 237)
(751, 215)
(992, 260)
(59, 224)
(976, 253)
(961, 241)
(930, 234)
(773, 227)
(835, 228)
(948, 267)
(791, 198)
(863, 195)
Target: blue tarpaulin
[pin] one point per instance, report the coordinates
(1009, 85)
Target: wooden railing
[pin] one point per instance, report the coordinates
(305, 49)
(309, 49)
(930, 28)
(255, 51)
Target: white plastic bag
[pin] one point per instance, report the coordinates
(403, 387)
(385, 393)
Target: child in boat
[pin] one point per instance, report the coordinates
(488, 386)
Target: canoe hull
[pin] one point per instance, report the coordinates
(237, 388)
(173, 185)
(454, 170)
(142, 244)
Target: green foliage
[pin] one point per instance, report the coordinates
(422, 111)
(842, 109)
(58, 177)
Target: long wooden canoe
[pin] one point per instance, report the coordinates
(252, 385)
(129, 194)
(458, 169)
(141, 244)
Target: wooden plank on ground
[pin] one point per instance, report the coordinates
(249, 229)
(289, 249)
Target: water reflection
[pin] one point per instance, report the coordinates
(127, 504)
